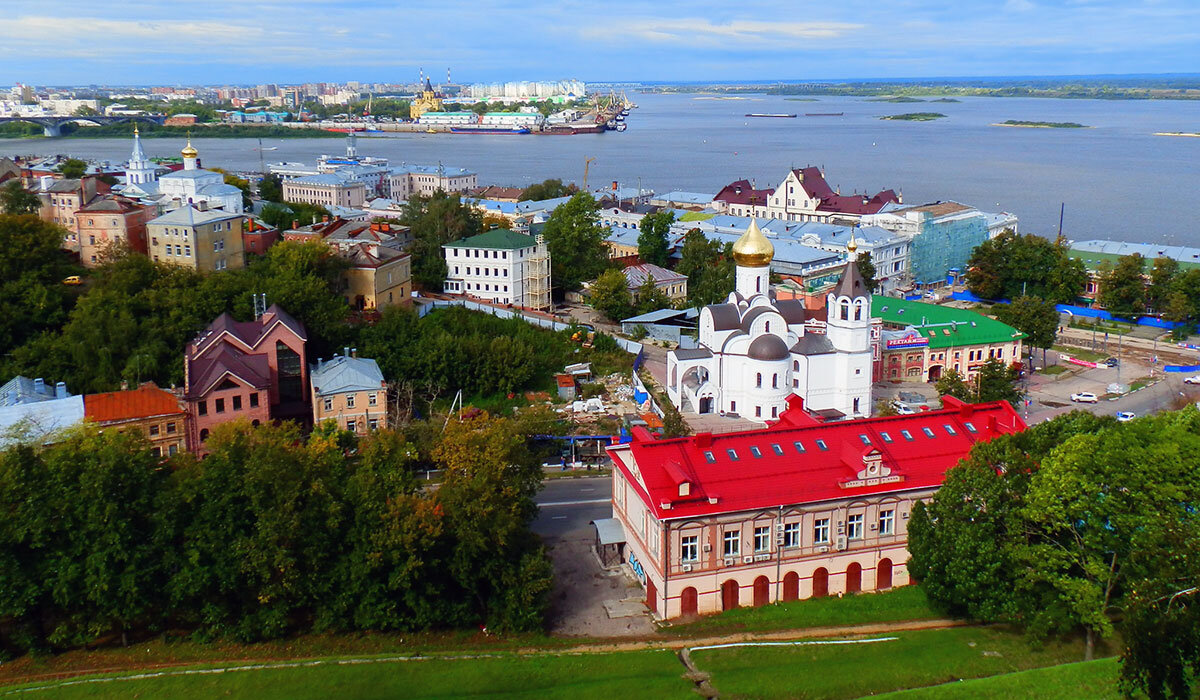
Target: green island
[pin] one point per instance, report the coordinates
(914, 117)
(945, 99)
(1093, 88)
(1192, 134)
(1042, 125)
(800, 99)
(896, 99)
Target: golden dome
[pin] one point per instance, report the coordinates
(753, 249)
(188, 151)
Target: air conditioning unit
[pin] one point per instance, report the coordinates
(686, 567)
(761, 557)
(728, 561)
(841, 542)
(904, 515)
(707, 547)
(779, 527)
(822, 549)
(747, 559)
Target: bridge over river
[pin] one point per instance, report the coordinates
(52, 126)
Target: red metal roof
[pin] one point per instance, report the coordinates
(742, 192)
(143, 402)
(770, 470)
(813, 182)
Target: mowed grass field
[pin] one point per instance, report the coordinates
(914, 660)
(635, 674)
(1091, 680)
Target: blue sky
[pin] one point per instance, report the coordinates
(250, 41)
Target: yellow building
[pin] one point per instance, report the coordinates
(429, 101)
(200, 238)
(351, 391)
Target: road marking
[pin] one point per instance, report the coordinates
(559, 517)
(574, 503)
(587, 490)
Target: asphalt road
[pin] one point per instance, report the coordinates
(568, 505)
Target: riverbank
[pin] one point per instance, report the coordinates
(1191, 134)
(914, 117)
(1041, 125)
(151, 131)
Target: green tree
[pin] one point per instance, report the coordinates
(997, 381)
(1162, 280)
(1067, 278)
(1122, 288)
(283, 215)
(866, 268)
(73, 168)
(653, 244)
(548, 189)
(650, 297)
(709, 268)
(435, 220)
(1035, 317)
(33, 265)
(15, 199)
(951, 383)
(238, 182)
(1011, 265)
(270, 188)
(576, 242)
(609, 295)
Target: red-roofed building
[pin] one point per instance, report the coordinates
(796, 510)
(158, 413)
(804, 195)
(740, 198)
(256, 370)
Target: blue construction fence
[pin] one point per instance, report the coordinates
(1181, 368)
(1107, 316)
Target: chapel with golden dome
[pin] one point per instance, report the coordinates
(754, 351)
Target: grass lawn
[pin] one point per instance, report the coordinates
(640, 674)
(907, 603)
(1095, 680)
(1081, 353)
(1053, 369)
(915, 660)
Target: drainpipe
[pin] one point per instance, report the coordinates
(778, 553)
(666, 564)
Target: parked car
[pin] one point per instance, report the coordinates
(1195, 379)
(903, 408)
(1085, 397)
(1125, 416)
(1111, 362)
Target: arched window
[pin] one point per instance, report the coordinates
(204, 434)
(758, 382)
(768, 326)
(774, 381)
(758, 284)
(845, 309)
(858, 309)
(796, 365)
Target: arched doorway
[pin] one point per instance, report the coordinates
(729, 595)
(762, 591)
(791, 586)
(883, 575)
(935, 373)
(853, 578)
(688, 604)
(706, 404)
(820, 583)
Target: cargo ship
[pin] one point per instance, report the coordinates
(771, 115)
(824, 114)
(570, 129)
(485, 129)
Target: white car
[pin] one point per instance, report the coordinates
(903, 408)
(1192, 380)
(1085, 397)
(1125, 416)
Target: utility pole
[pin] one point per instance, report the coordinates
(587, 163)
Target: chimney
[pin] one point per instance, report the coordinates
(295, 223)
(39, 386)
(124, 385)
(202, 205)
(60, 390)
(324, 218)
(346, 351)
(353, 352)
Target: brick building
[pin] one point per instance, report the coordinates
(799, 509)
(158, 414)
(107, 221)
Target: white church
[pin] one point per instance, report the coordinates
(754, 352)
(192, 185)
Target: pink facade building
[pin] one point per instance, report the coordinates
(257, 370)
(796, 510)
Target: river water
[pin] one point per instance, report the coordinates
(1117, 179)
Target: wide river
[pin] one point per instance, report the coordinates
(1117, 179)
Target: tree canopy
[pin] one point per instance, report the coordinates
(1122, 289)
(1011, 265)
(866, 269)
(576, 242)
(33, 266)
(709, 268)
(547, 189)
(15, 199)
(654, 246)
(435, 220)
(994, 381)
(1033, 316)
(73, 168)
(609, 295)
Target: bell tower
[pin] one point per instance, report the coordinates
(753, 254)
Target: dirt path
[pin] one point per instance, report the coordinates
(598, 647)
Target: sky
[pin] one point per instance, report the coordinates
(80, 42)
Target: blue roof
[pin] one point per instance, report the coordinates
(432, 170)
(321, 179)
(344, 374)
(623, 236)
(687, 197)
(22, 390)
(37, 420)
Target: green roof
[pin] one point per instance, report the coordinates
(1092, 260)
(497, 238)
(696, 216)
(944, 326)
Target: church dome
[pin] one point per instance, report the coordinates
(769, 348)
(189, 151)
(753, 249)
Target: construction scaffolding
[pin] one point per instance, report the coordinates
(536, 279)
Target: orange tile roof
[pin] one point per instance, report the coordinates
(143, 402)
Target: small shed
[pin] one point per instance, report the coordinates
(566, 386)
(610, 541)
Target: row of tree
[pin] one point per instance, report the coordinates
(270, 535)
(1011, 265)
(1078, 523)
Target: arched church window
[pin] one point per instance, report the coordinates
(774, 381)
(758, 284)
(795, 365)
(768, 326)
(758, 383)
(845, 309)
(858, 309)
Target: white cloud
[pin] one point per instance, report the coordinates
(737, 34)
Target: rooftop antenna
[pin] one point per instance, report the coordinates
(260, 305)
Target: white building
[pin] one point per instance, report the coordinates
(501, 266)
(192, 185)
(448, 118)
(407, 180)
(755, 352)
(529, 120)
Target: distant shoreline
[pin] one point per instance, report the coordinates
(1189, 134)
(1041, 125)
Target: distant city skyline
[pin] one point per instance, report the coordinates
(138, 42)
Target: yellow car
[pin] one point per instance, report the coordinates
(73, 280)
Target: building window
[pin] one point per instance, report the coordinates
(733, 455)
(202, 408)
(854, 526)
(254, 400)
(349, 400)
(758, 380)
(758, 411)
(791, 535)
(733, 543)
(170, 428)
(154, 430)
(821, 531)
(373, 424)
(328, 404)
(220, 405)
(372, 399)
(821, 445)
(856, 405)
(351, 425)
(762, 539)
(689, 549)
(237, 402)
(172, 449)
(887, 522)
(708, 457)
(777, 449)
